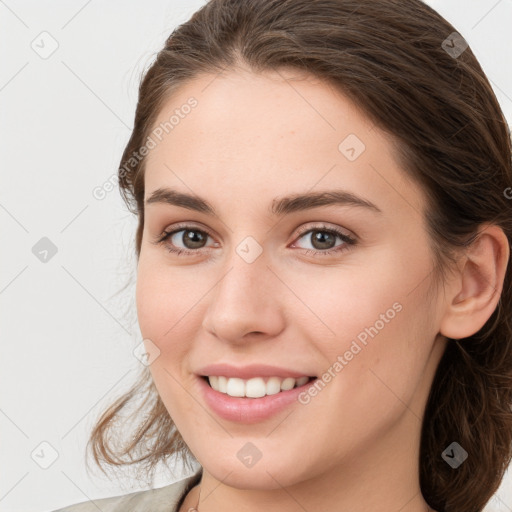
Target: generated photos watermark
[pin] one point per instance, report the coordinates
(344, 359)
(157, 134)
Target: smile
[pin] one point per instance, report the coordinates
(256, 387)
(246, 409)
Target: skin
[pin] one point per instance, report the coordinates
(354, 446)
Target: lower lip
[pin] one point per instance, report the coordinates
(249, 410)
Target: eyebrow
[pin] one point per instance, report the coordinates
(280, 205)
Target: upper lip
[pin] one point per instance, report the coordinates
(250, 371)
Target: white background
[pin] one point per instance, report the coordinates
(67, 338)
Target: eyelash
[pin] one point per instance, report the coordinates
(349, 241)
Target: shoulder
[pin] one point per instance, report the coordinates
(156, 500)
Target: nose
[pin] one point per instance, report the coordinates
(245, 303)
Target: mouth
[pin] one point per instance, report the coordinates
(246, 401)
(256, 387)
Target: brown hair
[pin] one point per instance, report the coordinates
(391, 58)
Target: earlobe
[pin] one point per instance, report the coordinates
(474, 294)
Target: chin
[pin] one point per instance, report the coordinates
(264, 475)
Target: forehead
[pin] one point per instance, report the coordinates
(273, 132)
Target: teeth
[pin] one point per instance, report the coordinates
(255, 387)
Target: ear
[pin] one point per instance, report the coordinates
(474, 293)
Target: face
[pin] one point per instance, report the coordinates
(332, 290)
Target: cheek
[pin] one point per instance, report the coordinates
(345, 300)
(166, 300)
(165, 317)
(377, 319)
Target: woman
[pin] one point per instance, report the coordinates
(323, 279)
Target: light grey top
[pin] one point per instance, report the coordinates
(163, 499)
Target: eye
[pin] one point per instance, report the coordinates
(193, 239)
(189, 236)
(323, 240)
